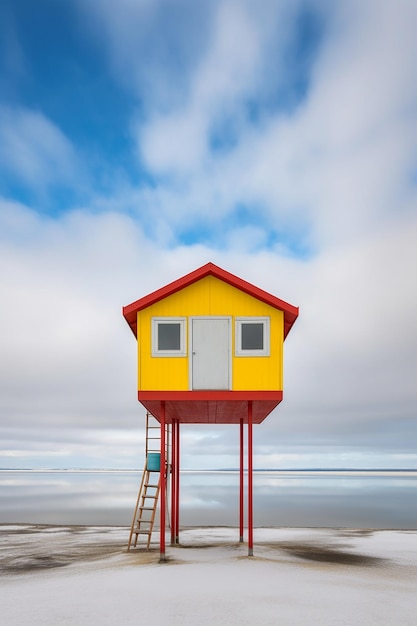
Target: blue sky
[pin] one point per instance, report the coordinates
(141, 140)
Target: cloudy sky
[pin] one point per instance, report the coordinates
(143, 138)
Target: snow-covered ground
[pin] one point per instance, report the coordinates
(79, 576)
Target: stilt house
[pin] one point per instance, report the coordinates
(210, 350)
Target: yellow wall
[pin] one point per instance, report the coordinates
(210, 296)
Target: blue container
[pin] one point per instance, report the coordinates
(154, 462)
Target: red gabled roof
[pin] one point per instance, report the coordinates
(290, 311)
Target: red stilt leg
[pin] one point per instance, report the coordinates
(250, 481)
(241, 485)
(177, 487)
(173, 482)
(163, 488)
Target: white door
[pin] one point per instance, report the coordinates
(210, 363)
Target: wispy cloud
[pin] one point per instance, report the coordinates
(34, 150)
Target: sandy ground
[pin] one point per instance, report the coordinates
(84, 575)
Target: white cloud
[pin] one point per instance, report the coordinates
(178, 141)
(191, 66)
(67, 446)
(64, 285)
(34, 149)
(152, 45)
(244, 61)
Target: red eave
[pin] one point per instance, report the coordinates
(290, 312)
(210, 407)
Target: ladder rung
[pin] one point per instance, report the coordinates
(149, 485)
(146, 508)
(143, 532)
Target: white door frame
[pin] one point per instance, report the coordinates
(191, 351)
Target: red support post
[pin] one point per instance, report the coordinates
(173, 481)
(241, 484)
(250, 480)
(177, 487)
(162, 470)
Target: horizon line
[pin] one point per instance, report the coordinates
(218, 469)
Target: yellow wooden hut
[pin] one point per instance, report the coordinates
(208, 340)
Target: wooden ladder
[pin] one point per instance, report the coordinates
(148, 495)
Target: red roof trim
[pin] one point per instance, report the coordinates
(290, 312)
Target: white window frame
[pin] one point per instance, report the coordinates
(239, 351)
(183, 336)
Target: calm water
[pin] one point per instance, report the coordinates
(315, 499)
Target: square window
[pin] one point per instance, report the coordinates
(168, 336)
(252, 336)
